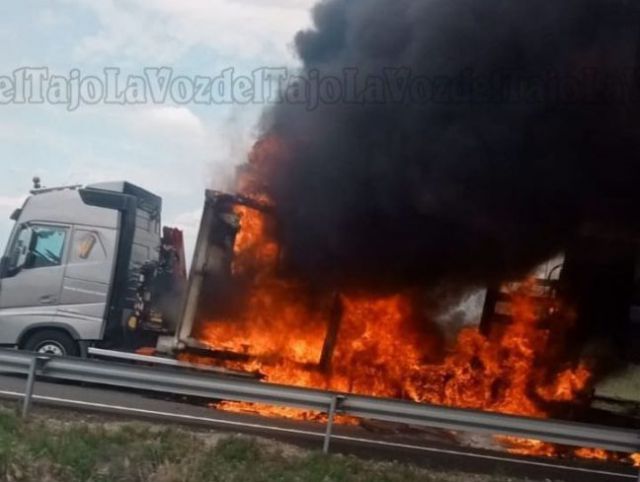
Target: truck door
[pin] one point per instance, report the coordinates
(30, 291)
(87, 281)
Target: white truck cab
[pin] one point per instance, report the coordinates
(71, 272)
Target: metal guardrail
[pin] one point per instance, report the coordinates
(164, 380)
(169, 362)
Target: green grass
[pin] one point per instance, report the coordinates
(54, 451)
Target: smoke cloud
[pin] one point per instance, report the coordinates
(520, 132)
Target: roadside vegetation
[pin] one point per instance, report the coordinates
(49, 449)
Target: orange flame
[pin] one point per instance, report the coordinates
(380, 349)
(383, 348)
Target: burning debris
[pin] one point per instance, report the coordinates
(385, 346)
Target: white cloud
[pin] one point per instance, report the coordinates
(162, 30)
(188, 221)
(175, 151)
(48, 17)
(11, 203)
(169, 149)
(177, 123)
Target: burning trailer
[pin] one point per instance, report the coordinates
(529, 354)
(231, 259)
(383, 212)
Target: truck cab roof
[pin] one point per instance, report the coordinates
(66, 204)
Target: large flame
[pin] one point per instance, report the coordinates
(385, 348)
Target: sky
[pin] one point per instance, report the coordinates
(174, 149)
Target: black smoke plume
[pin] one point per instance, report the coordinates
(522, 134)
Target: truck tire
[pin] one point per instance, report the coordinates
(52, 342)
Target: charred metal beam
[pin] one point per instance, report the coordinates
(238, 199)
(331, 340)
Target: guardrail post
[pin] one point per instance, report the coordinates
(36, 363)
(335, 400)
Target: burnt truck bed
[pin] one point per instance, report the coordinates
(211, 283)
(210, 269)
(604, 286)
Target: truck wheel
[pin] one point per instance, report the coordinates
(52, 342)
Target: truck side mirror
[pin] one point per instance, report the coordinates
(18, 255)
(8, 268)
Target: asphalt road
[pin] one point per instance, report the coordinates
(379, 441)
